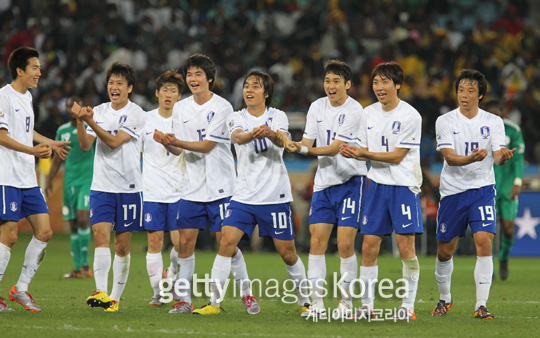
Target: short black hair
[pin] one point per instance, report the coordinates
(389, 70)
(125, 70)
(473, 76)
(492, 104)
(203, 62)
(171, 76)
(267, 83)
(339, 68)
(19, 59)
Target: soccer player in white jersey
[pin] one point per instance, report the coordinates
(116, 192)
(162, 179)
(263, 190)
(199, 129)
(20, 195)
(340, 183)
(471, 140)
(389, 137)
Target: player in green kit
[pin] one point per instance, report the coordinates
(76, 195)
(508, 180)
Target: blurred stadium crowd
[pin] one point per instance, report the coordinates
(291, 39)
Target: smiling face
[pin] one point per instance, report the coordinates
(30, 76)
(336, 89)
(385, 90)
(254, 94)
(118, 90)
(197, 81)
(467, 95)
(168, 95)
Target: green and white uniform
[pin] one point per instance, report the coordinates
(79, 168)
(505, 175)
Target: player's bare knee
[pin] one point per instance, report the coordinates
(121, 249)
(289, 257)
(346, 247)
(44, 235)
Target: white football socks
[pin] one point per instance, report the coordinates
(317, 277)
(369, 276)
(120, 276)
(443, 274)
(483, 272)
(240, 274)
(102, 266)
(154, 266)
(411, 272)
(35, 252)
(220, 272)
(297, 273)
(187, 267)
(5, 254)
(349, 269)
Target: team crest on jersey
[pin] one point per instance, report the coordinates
(210, 116)
(396, 127)
(438, 136)
(269, 122)
(231, 123)
(91, 212)
(364, 220)
(485, 132)
(442, 227)
(13, 206)
(341, 119)
(148, 217)
(122, 120)
(1, 113)
(228, 214)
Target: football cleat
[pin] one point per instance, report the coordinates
(251, 305)
(503, 270)
(99, 299)
(344, 310)
(182, 307)
(483, 313)
(86, 272)
(114, 306)
(23, 298)
(3, 306)
(156, 300)
(364, 312)
(304, 310)
(404, 313)
(72, 274)
(315, 311)
(208, 310)
(441, 309)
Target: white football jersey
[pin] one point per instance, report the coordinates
(209, 176)
(455, 131)
(262, 176)
(118, 170)
(381, 132)
(17, 169)
(162, 171)
(324, 123)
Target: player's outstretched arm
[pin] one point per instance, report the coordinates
(59, 147)
(159, 137)
(501, 156)
(392, 157)
(352, 152)
(458, 160)
(241, 137)
(204, 146)
(55, 165)
(42, 150)
(331, 150)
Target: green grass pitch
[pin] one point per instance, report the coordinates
(515, 302)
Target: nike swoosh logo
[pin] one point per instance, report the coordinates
(485, 225)
(319, 121)
(278, 233)
(99, 122)
(149, 133)
(406, 225)
(344, 218)
(17, 110)
(483, 282)
(456, 133)
(126, 225)
(186, 121)
(370, 127)
(121, 283)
